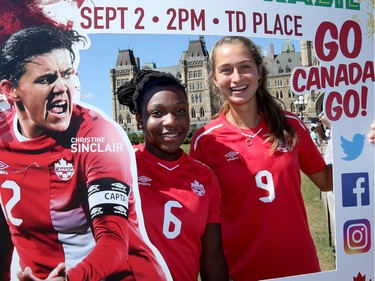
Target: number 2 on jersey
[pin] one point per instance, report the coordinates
(13, 201)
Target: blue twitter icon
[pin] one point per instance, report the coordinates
(352, 149)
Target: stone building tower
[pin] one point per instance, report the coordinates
(279, 69)
(127, 66)
(193, 71)
(307, 53)
(194, 65)
(308, 59)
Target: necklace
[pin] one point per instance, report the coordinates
(249, 137)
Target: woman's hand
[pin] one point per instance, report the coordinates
(58, 274)
(371, 135)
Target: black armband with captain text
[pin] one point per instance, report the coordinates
(108, 197)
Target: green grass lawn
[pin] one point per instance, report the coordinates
(186, 148)
(318, 221)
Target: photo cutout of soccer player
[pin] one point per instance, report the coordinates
(257, 151)
(180, 196)
(71, 213)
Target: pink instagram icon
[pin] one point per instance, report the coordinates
(357, 236)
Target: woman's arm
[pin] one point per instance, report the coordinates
(323, 179)
(110, 252)
(213, 265)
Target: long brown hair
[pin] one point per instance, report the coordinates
(280, 131)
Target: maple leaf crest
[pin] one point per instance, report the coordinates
(64, 170)
(63, 163)
(198, 188)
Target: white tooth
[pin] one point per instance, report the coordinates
(238, 88)
(60, 103)
(170, 136)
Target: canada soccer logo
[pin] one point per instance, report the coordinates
(198, 188)
(64, 170)
(283, 147)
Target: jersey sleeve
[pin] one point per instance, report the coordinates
(113, 159)
(108, 173)
(110, 252)
(197, 152)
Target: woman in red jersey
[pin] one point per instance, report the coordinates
(69, 213)
(257, 151)
(180, 196)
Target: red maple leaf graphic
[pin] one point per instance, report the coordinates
(360, 277)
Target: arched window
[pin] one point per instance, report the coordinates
(193, 114)
(120, 119)
(292, 107)
(128, 119)
(200, 98)
(201, 112)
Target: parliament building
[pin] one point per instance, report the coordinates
(193, 72)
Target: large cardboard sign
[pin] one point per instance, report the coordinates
(342, 33)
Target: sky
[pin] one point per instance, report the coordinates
(164, 50)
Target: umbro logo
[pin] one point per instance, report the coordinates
(3, 166)
(143, 180)
(232, 155)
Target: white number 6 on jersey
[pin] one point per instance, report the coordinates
(171, 224)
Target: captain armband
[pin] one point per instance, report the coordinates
(108, 197)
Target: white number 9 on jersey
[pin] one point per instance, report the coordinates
(266, 184)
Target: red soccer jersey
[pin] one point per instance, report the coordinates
(264, 222)
(179, 198)
(71, 198)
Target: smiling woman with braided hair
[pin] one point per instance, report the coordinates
(180, 196)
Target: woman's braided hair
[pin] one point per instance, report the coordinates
(132, 92)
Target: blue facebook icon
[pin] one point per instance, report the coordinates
(355, 189)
